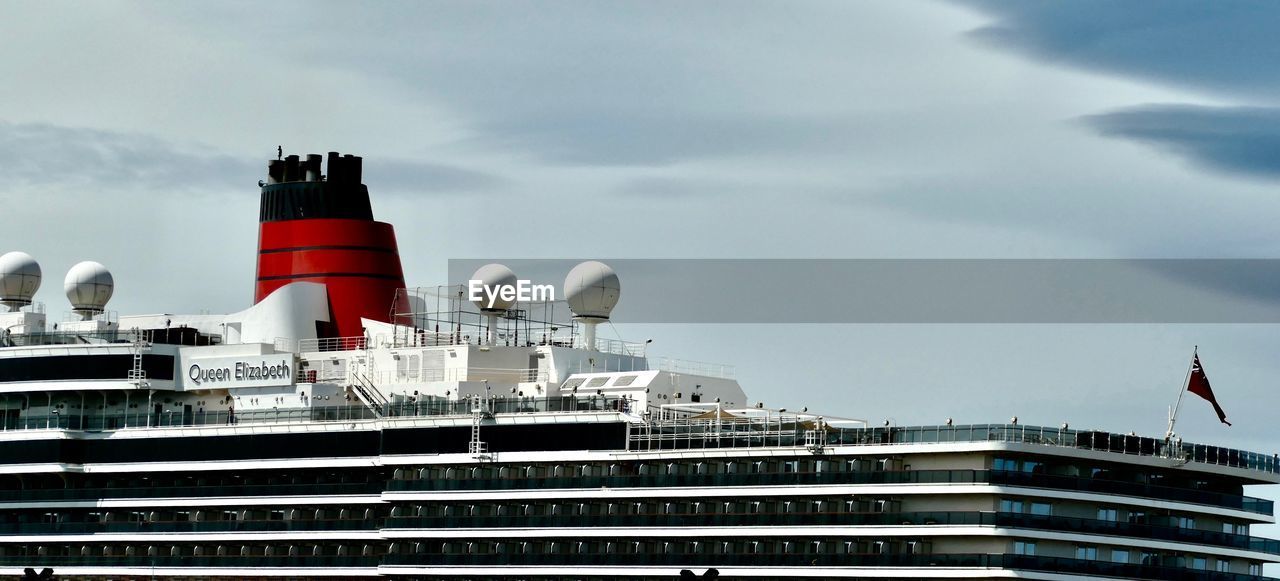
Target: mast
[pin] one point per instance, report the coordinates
(1173, 415)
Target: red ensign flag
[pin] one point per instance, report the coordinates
(1199, 385)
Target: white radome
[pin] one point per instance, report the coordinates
(89, 286)
(494, 276)
(592, 290)
(19, 278)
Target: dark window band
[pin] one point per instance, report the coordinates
(82, 367)
(310, 200)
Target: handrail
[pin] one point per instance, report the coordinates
(1238, 502)
(696, 368)
(989, 519)
(369, 393)
(804, 558)
(425, 406)
(606, 345)
(318, 562)
(797, 558)
(52, 494)
(749, 431)
(204, 526)
(691, 434)
(434, 339)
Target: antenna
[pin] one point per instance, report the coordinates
(592, 290)
(19, 279)
(494, 279)
(89, 286)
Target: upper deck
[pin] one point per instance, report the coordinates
(656, 430)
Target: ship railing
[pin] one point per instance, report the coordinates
(179, 418)
(333, 344)
(113, 336)
(266, 562)
(831, 553)
(823, 518)
(412, 338)
(427, 406)
(361, 342)
(322, 374)
(717, 431)
(206, 490)
(415, 375)
(1168, 532)
(784, 472)
(399, 407)
(702, 368)
(498, 374)
(188, 526)
(415, 338)
(818, 553)
(747, 432)
(590, 365)
(603, 345)
(285, 345)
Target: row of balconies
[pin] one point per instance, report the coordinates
(604, 559)
(372, 521)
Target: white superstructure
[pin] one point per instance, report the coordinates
(503, 438)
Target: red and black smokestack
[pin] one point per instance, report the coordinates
(320, 229)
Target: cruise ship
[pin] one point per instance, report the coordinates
(345, 425)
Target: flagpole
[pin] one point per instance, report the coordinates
(1173, 417)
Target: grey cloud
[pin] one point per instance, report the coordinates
(584, 84)
(675, 188)
(660, 139)
(667, 188)
(1229, 47)
(425, 178)
(44, 154)
(1224, 47)
(1235, 140)
(40, 154)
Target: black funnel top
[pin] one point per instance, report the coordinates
(297, 192)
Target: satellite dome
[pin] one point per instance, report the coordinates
(592, 290)
(89, 286)
(494, 277)
(19, 278)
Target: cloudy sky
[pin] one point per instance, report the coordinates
(135, 134)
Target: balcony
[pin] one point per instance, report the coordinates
(988, 519)
(317, 562)
(878, 561)
(1244, 503)
(781, 430)
(224, 526)
(57, 494)
(608, 560)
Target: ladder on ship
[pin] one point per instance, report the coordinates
(369, 394)
(478, 448)
(137, 374)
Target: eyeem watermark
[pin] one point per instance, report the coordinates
(961, 291)
(523, 291)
